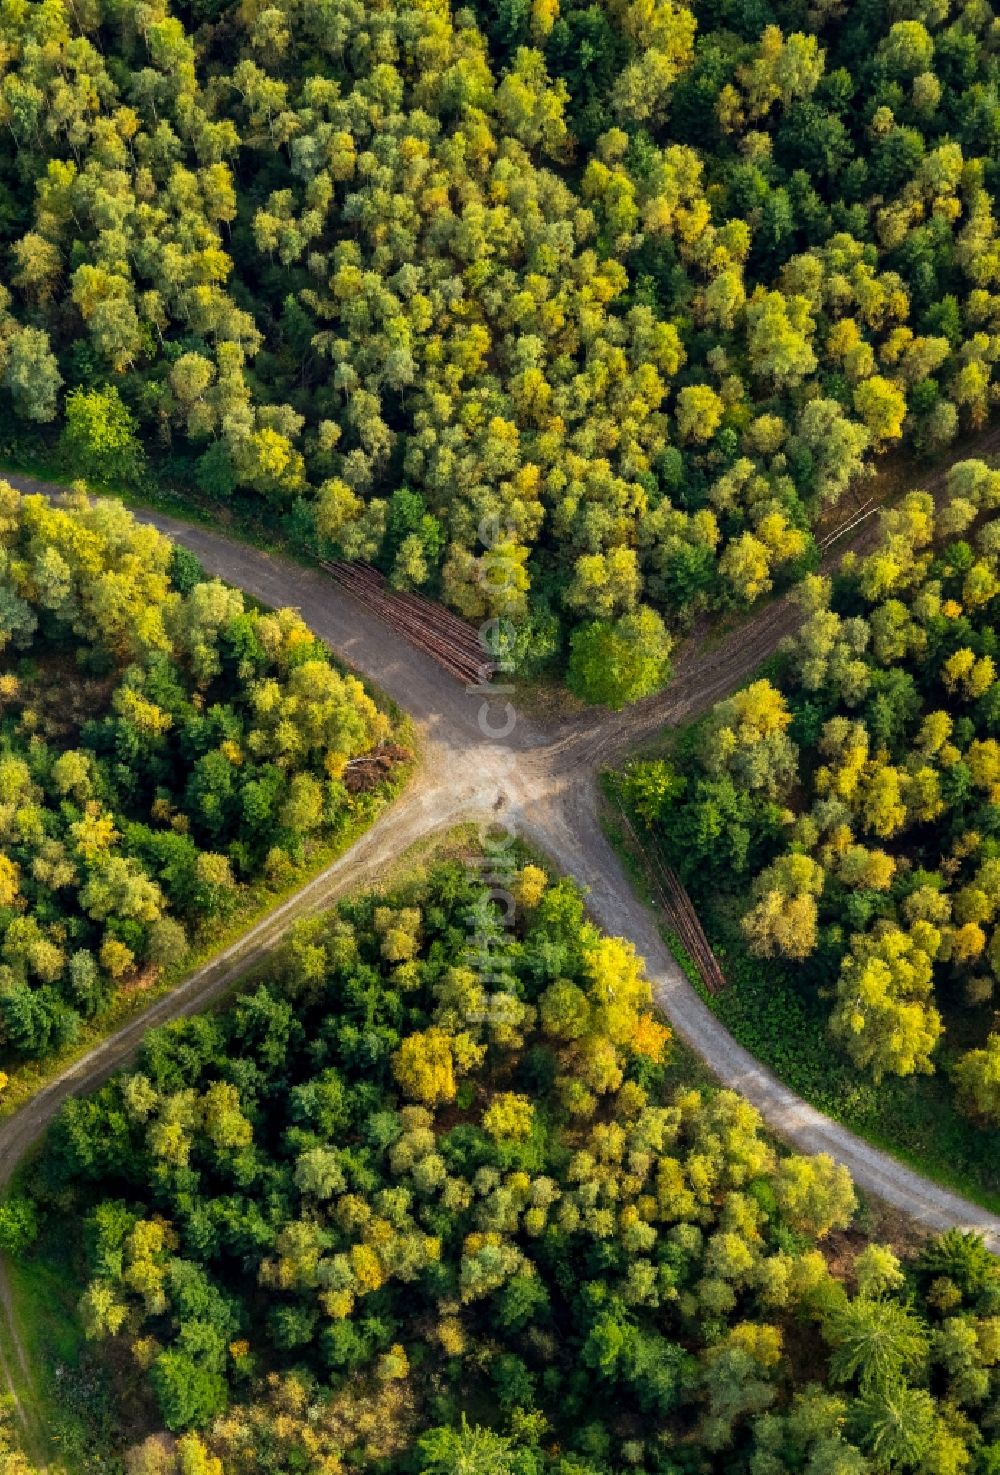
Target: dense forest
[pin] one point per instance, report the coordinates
(161, 744)
(851, 805)
(620, 294)
(381, 1214)
(584, 317)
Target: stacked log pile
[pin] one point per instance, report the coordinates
(451, 641)
(681, 917)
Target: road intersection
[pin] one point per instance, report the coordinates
(539, 779)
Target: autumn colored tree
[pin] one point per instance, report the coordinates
(420, 1246)
(199, 745)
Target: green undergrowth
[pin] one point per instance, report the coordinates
(67, 1418)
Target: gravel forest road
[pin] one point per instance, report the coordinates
(483, 761)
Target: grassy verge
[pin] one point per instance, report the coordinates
(785, 1029)
(30, 1413)
(640, 873)
(68, 1413)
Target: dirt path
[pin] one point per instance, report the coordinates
(29, 1432)
(546, 780)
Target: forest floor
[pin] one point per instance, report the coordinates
(27, 1403)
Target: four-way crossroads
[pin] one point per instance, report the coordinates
(476, 750)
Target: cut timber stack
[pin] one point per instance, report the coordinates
(680, 913)
(451, 641)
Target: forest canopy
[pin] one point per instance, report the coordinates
(382, 1214)
(162, 743)
(851, 803)
(644, 285)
